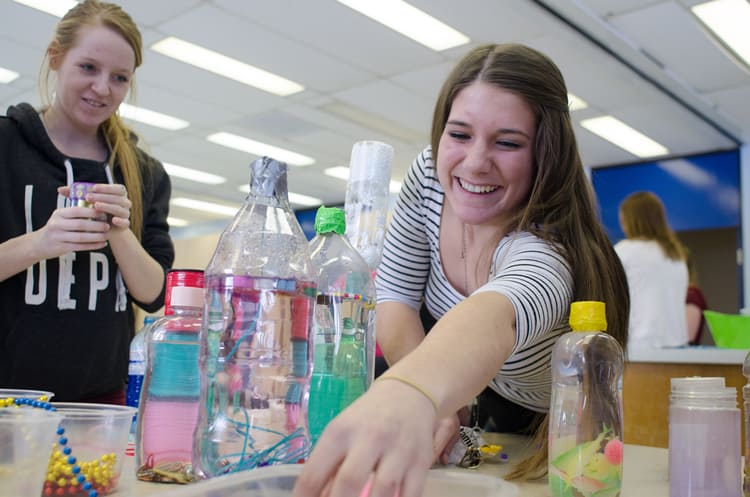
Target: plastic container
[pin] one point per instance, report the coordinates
(26, 437)
(168, 412)
(255, 351)
(585, 421)
(704, 439)
(278, 481)
(97, 436)
(366, 201)
(20, 393)
(344, 322)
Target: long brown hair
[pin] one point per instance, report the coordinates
(643, 217)
(561, 204)
(117, 135)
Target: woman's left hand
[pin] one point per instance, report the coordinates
(112, 200)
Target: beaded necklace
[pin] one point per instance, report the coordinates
(63, 471)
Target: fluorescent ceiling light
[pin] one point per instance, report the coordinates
(193, 174)
(576, 103)
(410, 22)
(200, 205)
(306, 200)
(625, 137)
(260, 149)
(340, 172)
(55, 7)
(7, 76)
(152, 118)
(294, 198)
(226, 66)
(176, 222)
(728, 20)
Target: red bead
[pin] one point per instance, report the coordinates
(60, 491)
(48, 490)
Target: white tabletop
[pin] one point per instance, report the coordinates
(645, 471)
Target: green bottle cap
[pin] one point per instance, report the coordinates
(330, 219)
(588, 316)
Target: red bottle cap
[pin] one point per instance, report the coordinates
(181, 278)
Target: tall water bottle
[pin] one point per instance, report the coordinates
(136, 370)
(168, 410)
(366, 202)
(137, 364)
(344, 326)
(255, 351)
(585, 421)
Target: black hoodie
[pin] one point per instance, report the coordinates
(66, 323)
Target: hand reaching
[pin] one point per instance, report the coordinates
(386, 435)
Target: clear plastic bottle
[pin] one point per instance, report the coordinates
(746, 401)
(255, 356)
(366, 201)
(585, 430)
(137, 363)
(344, 326)
(168, 410)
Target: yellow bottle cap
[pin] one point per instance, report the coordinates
(588, 316)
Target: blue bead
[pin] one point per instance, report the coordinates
(93, 493)
(76, 470)
(87, 485)
(62, 441)
(67, 451)
(60, 430)
(71, 460)
(81, 478)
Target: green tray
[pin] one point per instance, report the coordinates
(730, 331)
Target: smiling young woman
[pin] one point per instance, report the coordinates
(69, 271)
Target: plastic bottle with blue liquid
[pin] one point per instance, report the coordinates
(343, 326)
(168, 410)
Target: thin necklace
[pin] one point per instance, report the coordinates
(464, 258)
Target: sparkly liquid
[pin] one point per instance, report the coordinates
(255, 366)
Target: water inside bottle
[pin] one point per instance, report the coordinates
(255, 367)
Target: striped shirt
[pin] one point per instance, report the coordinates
(526, 269)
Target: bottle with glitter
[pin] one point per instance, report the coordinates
(585, 419)
(168, 408)
(343, 326)
(366, 201)
(255, 351)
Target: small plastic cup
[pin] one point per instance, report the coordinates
(22, 393)
(26, 437)
(97, 436)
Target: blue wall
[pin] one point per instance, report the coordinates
(699, 192)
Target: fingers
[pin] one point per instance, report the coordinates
(446, 434)
(112, 199)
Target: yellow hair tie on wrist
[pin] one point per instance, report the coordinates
(415, 386)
